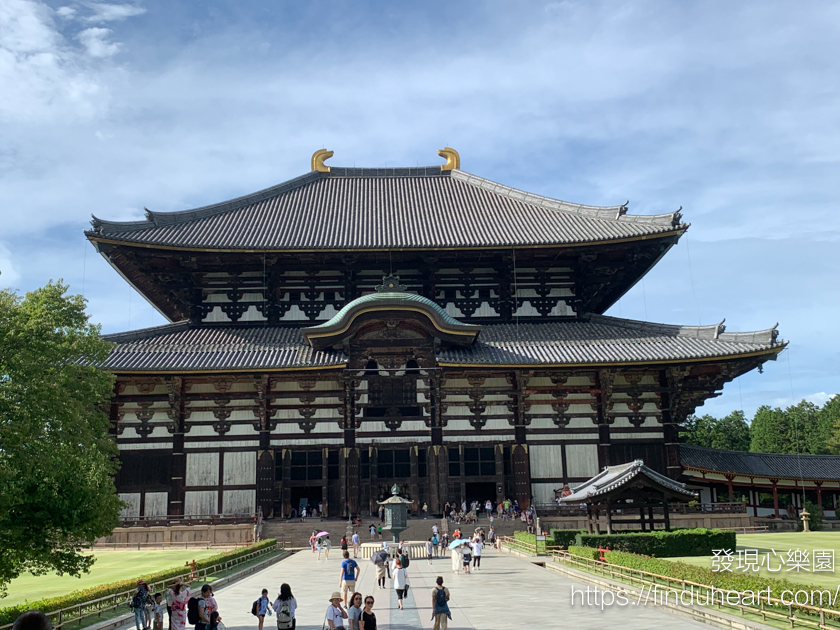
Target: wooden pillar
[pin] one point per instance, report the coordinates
(651, 519)
(265, 456)
(437, 469)
(286, 487)
(325, 471)
(730, 488)
(670, 427)
(775, 497)
(374, 481)
(819, 492)
(499, 453)
(602, 393)
(413, 485)
(609, 519)
(642, 517)
(588, 518)
(756, 501)
(666, 513)
(521, 473)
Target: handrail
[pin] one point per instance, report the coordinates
(92, 607)
(645, 577)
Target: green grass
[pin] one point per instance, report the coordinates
(110, 566)
(782, 542)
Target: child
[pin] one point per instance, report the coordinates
(158, 610)
(216, 621)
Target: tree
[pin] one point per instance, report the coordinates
(830, 417)
(729, 433)
(801, 428)
(57, 459)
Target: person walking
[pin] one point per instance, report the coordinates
(206, 606)
(435, 545)
(345, 544)
(381, 572)
(456, 559)
(440, 605)
(400, 582)
(180, 597)
(335, 613)
(425, 510)
(379, 531)
(169, 599)
(285, 607)
(349, 574)
(467, 556)
(430, 550)
(372, 531)
(354, 612)
(263, 606)
(357, 543)
(313, 541)
(157, 612)
(138, 605)
(368, 620)
(477, 547)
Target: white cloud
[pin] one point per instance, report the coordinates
(95, 41)
(104, 12)
(68, 13)
(9, 276)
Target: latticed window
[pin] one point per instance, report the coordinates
(306, 466)
(479, 461)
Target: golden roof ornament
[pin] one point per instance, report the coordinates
(318, 159)
(453, 160)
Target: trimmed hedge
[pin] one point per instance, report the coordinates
(662, 544)
(734, 581)
(565, 537)
(590, 553)
(10, 613)
(530, 539)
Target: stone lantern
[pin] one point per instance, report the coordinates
(396, 513)
(806, 524)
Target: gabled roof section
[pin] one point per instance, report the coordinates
(386, 208)
(613, 478)
(768, 465)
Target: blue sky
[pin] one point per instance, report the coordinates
(731, 110)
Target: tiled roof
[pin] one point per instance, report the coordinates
(599, 341)
(613, 477)
(409, 208)
(603, 340)
(775, 465)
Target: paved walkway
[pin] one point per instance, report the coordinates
(507, 592)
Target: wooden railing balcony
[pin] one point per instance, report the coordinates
(193, 519)
(737, 507)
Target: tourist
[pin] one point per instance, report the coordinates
(444, 542)
(491, 536)
(467, 557)
(263, 607)
(381, 514)
(215, 621)
(138, 605)
(435, 530)
(379, 531)
(368, 621)
(456, 559)
(157, 612)
(335, 613)
(435, 545)
(372, 531)
(354, 612)
(425, 510)
(180, 597)
(429, 550)
(457, 534)
(476, 549)
(303, 513)
(440, 606)
(327, 545)
(345, 545)
(169, 599)
(313, 541)
(349, 574)
(380, 574)
(34, 620)
(492, 519)
(357, 543)
(400, 582)
(488, 507)
(284, 607)
(206, 606)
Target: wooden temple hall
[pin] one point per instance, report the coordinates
(355, 328)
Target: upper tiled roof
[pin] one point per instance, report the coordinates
(614, 477)
(600, 341)
(405, 208)
(775, 465)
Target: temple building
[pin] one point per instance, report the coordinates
(356, 328)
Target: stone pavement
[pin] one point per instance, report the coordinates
(507, 592)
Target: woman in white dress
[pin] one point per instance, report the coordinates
(456, 559)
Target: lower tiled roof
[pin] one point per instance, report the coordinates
(599, 341)
(614, 477)
(773, 465)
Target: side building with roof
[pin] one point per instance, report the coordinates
(354, 328)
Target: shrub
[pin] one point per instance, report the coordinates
(9, 614)
(734, 581)
(530, 539)
(662, 544)
(590, 553)
(565, 537)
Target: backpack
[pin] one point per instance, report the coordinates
(255, 608)
(192, 611)
(404, 561)
(440, 598)
(139, 600)
(284, 615)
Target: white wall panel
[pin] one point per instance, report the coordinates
(239, 501)
(546, 460)
(132, 499)
(202, 469)
(543, 492)
(156, 504)
(201, 502)
(240, 468)
(582, 460)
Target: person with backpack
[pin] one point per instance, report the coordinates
(440, 606)
(261, 607)
(180, 597)
(435, 545)
(138, 605)
(349, 574)
(200, 608)
(284, 607)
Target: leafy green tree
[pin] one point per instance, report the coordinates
(57, 459)
(800, 428)
(731, 432)
(830, 413)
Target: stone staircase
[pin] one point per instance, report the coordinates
(293, 534)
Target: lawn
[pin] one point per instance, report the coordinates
(110, 566)
(783, 542)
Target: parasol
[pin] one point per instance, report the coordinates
(457, 542)
(319, 534)
(379, 557)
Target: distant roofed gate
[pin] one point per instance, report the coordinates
(624, 489)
